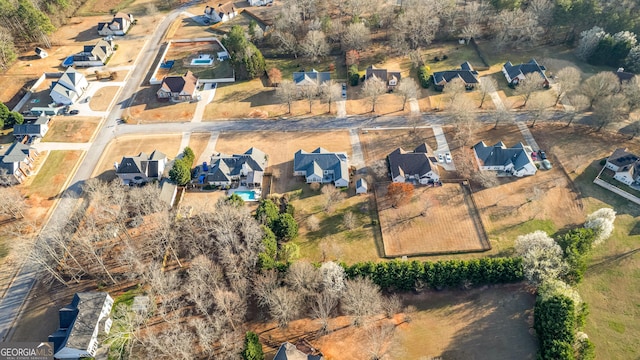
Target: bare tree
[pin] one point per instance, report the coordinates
(284, 305)
(464, 119)
(356, 37)
(330, 92)
(331, 196)
(631, 90)
(531, 83)
(600, 85)
(486, 179)
(287, 93)
(287, 42)
(418, 25)
(12, 203)
(361, 298)
(610, 109)
(315, 45)
(349, 220)
(407, 89)
(567, 80)
(539, 109)
(379, 340)
(7, 179)
(125, 331)
(486, 86)
(454, 89)
(310, 92)
(372, 89)
(579, 104)
(322, 309)
(304, 278)
(313, 224)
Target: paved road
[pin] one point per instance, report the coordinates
(15, 296)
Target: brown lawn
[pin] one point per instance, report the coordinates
(437, 220)
(184, 27)
(388, 104)
(280, 147)
(147, 109)
(198, 142)
(13, 87)
(131, 146)
(71, 129)
(101, 100)
(198, 202)
(486, 323)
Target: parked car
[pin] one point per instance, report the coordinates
(440, 158)
(447, 157)
(534, 156)
(546, 164)
(87, 99)
(542, 155)
(74, 112)
(344, 91)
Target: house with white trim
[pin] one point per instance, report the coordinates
(221, 13)
(516, 73)
(625, 165)
(82, 322)
(391, 78)
(141, 169)
(322, 166)
(413, 166)
(247, 169)
(119, 25)
(95, 55)
(179, 88)
(69, 88)
(514, 161)
(18, 160)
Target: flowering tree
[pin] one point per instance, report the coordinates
(541, 257)
(601, 221)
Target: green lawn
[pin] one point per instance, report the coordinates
(219, 69)
(53, 173)
(456, 54)
(333, 241)
(290, 65)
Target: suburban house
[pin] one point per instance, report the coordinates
(466, 73)
(413, 166)
(119, 25)
(41, 52)
(391, 78)
(515, 161)
(81, 322)
(18, 160)
(289, 351)
(179, 88)
(221, 13)
(142, 168)
(95, 55)
(624, 76)
(311, 78)
(322, 166)
(32, 130)
(516, 73)
(259, 2)
(361, 186)
(69, 88)
(247, 169)
(625, 165)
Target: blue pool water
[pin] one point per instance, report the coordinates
(68, 61)
(246, 195)
(201, 62)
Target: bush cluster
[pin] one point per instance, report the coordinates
(279, 226)
(180, 173)
(424, 74)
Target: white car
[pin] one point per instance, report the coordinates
(440, 158)
(447, 157)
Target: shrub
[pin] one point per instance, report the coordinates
(252, 347)
(424, 75)
(285, 227)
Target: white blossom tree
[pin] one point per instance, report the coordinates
(601, 221)
(588, 42)
(333, 278)
(542, 257)
(315, 45)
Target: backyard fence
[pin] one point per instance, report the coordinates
(32, 89)
(615, 189)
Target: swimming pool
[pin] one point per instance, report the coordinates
(246, 195)
(201, 62)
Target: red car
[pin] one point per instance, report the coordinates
(534, 156)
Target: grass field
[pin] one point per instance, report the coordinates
(182, 54)
(71, 129)
(101, 100)
(290, 65)
(147, 109)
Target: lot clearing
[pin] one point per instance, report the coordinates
(101, 100)
(147, 109)
(487, 323)
(71, 129)
(611, 285)
(182, 53)
(132, 146)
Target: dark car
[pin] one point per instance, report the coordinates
(74, 112)
(344, 91)
(542, 155)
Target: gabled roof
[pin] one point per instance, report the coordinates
(383, 74)
(403, 162)
(17, 152)
(466, 73)
(525, 68)
(500, 155)
(176, 84)
(143, 163)
(312, 77)
(319, 160)
(223, 167)
(623, 75)
(288, 351)
(361, 183)
(621, 157)
(71, 79)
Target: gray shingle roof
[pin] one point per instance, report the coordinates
(321, 159)
(288, 351)
(466, 73)
(621, 157)
(525, 68)
(403, 162)
(500, 155)
(223, 167)
(143, 163)
(311, 77)
(382, 74)
(17, 152)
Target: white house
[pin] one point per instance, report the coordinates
(179, 88)
(69, 88)
(81, 323)
(119, 25)
(322, 166)
(142, 168)
(32, 129)
(391, 78)
(413, 166)
(625, 165)
(95, 55)
(515, 161)
(18, 160)
(361, 186)
(221, 13)
(247, 169)
(259, 2)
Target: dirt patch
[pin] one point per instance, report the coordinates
(487, 323)
(199, 202)
(424, 227)
(280, 147)
(388, 104)
(131, 146)
(183, 53)
(76, 129)
(147, 109)
(198, 142)
(102, 98)
(185, 27)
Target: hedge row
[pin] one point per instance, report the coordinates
(405, 275)
(424, 74)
